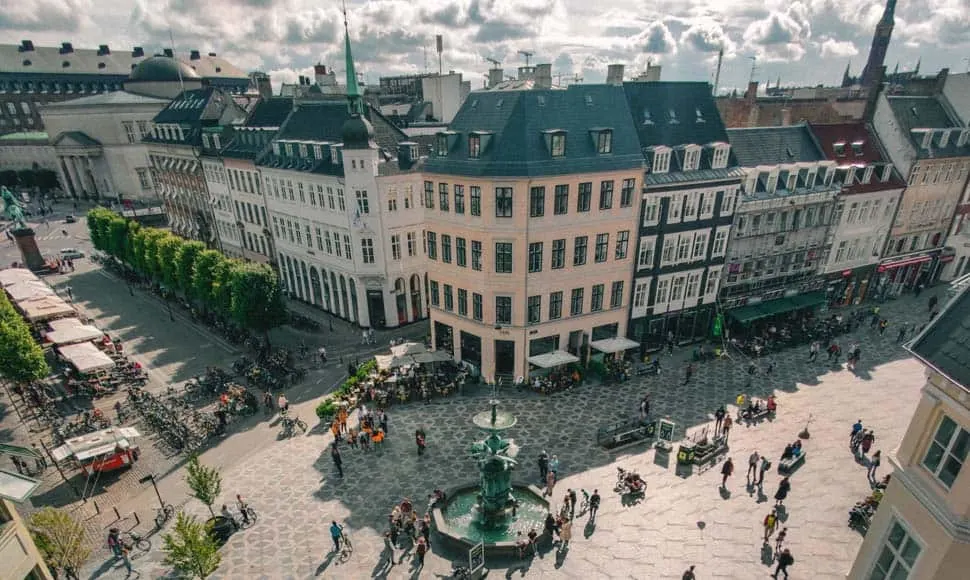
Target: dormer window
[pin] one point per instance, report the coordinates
(661, 161)
(964, 136)
(839, 149)
(474, 146)
(944, 138)
(317, 152)
(647, 119)
(604, 141)
(857, 148)
(720, 158)
(336, 154)
(288, 148)
(672, 117)
(556, 142)
(276, 149)
(692, 158)
(441, 145)
(216, 141)
(699, 116)
(867, 176)
(887, 172)
(927, 140)
(205, 141)
(413, 150)
(303, 150)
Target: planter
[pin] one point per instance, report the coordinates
(220, 528)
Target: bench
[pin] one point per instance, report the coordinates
(625, 432)
(789, 465)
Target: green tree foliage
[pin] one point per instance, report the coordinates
(168, 247)
(190, 549)
(153, 264)
(185, 259)
(203, 274)
(60, 538)
(205, 482)
(21, 358)
(117, 232)
(222, 276)
(134, 231)
(257, 300)
(98, 220)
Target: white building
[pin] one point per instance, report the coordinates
(20, 151)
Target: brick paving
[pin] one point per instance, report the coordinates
(684, 519)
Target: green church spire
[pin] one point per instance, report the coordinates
(353, 89)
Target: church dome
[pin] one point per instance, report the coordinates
(357, 133)
(162, 69)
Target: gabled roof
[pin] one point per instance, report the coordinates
(857, 145)
(271, 112)
(774, 145)
(674, 113)
(945, 343)
(518, 123)
(189, 106)
(79, 137)
(927, 113)
(107, 99)
(267, 113)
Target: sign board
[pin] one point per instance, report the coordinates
(476, 558)
(666, 429)
(650, 430)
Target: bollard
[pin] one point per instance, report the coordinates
(117, 515)
(137, 521)
(97, 509)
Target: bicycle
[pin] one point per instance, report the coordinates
(288, 423)
(250, 517)
(133, 539)
(347, 547)
(163, 514)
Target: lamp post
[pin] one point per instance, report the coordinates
(151, 478)
(168, 302)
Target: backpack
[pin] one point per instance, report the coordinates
(766, 465)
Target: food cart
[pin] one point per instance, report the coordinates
(102, 451)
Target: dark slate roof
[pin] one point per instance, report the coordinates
(927, 113)
(674, 113)
(162, 69)
(268, 113)
(517, 121)
(945, 343)
(187, 107)
(195, 110)
(774, 145)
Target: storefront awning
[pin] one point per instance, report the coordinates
(86, 357)
(904, 262)
(15, 487)
(45, 308)
(747, 314)
(29, 290)
(75, 334)
(408, 348)
(807, 300)
(615, 344)
(391, 361)
(431, 357)
(553, 359)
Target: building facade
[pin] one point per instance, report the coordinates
(531, 208)
(780, 239)
(33, 76)
(19, 554)
(690, 188)
(864, 212)
(931, 148)
(174, 152)
(922, 526)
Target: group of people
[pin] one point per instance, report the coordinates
(548, 471)
(403, 522)
(860, 441)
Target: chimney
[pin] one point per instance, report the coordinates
(543, 76)
(785, 117)
(103, 50)
(169, 53)
(137, 52)
(26, 45)
(614, 74)
(66, 48)
(194, 55)
(495, 77)
(527, 73)
(873, 97)
(752, 93)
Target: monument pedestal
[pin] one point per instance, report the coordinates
(29, 251)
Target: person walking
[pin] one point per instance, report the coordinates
(856, 428)
(726, 472)
(543, 465)
(752, 465)
(565, 533)
(554, 465)
(718, 419)
(784, 561)
(765, 466)
(873, 465)
(726, 428)
(419, 439)
(901, 335)
(594, 504)
(421, 550)
(813, 351)
(335, 532)
(572, 503)
(780, 540)
(338, 461)
(783, 488)
(688, 372)
(389, 547)
(550, 483)
(769, 523)
(867, 440)
(882, 326)
(689, 574)
(644, 408)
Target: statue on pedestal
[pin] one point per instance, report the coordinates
(12, 210)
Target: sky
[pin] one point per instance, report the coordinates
(800, 42)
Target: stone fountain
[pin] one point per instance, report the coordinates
(494, 510)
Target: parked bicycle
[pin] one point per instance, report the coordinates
(290, 423)
(163, 514)
(133, 539)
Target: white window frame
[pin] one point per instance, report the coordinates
(720, 158)
(693, 285)
(727, 202)
(897, 560)
(651, 211)
(707, 204)
(947, 450)
(641, 292)
(700, 238)
(675, 208)
(661, 160)
(647, 247)
(713, 279)
(692, 158)
(721, 231)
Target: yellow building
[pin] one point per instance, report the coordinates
(922, 527)
(19, 558)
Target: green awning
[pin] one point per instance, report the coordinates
(747, 314)
(807, 300)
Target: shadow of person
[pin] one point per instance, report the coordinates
(561, 556)
(782, 513)
(725, 492)
(589, 529)
(325, 564)
(762, 498)
(767, 554)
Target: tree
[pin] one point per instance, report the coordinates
(257, 300)
(137, 252)
(168, 247)
(185, 260)
(203, 274)
(134, 229)
(190, 549)
(222, 274)
(97, 227)
(117, 230)
(21, 358)
(153, 238)
(205, 482)
(60, 538)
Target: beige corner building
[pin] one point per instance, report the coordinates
(922, 528)
(19, 557)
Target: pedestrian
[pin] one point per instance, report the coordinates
(856, 428)
(813, 351)
(689, 574)
(783, 488)
(670, 342)
(688, 372)
(114, 542)
(771, 368)
(726, 428)
(752, 465)
(550, 483)
(784, 561)
(40, 462)
(718, 419)
(934, 314)
(389, 547)
(765, 466)
(554, 465)
(335, 532)
(780, 540)
(70, 293)
(420, 551)
(566, 533)
(338, 461)
(932, 303)
(726, 472)
(873, 464)
(882, 326)
(383, 421)
(419, 439)
(875, 318)
(572, 503)
(901, 335)
(867, 440)
(594, 504)
(125, 560)
(644, 408)
(770, 521)
(543, 465)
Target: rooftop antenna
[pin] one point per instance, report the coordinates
(717, 74)
(171, 41)
(495, 63)
(527, 56)
(577, 79)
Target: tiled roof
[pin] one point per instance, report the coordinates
(270, 112)
(675, 177)
(107, 99)
(945, 343)
(188, 107)
(774, 145)
(674, 113)
(517, 124)
(927, 113)
(858, 145)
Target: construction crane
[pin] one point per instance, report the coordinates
(527, 56)
(495, 63)
(577, 78)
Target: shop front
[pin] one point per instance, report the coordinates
(786, 311)
(684, 326)
(850, 286)
(900, 274)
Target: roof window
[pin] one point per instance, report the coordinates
(857, 148)
(541, 100)
(789, 152)
(699, 116)
(556, 142)
(102, 65)
(589, 100)
(66, 64)
(672, 117)
(498, 103)
(27, 62)
(839, 149)
(647, 119)
(474, 104)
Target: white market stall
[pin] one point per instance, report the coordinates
(45, 308)
(86, 357)
(11, 276)
(551, 360)
(408, 348)
(614, 345)
(74, 334)
(28, 291)
(387, 362)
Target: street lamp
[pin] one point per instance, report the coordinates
(151, 477)
(168, 302)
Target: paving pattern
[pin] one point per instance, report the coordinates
(684, 519)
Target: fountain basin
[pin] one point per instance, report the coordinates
(459, 523)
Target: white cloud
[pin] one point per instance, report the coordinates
(838, 48)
